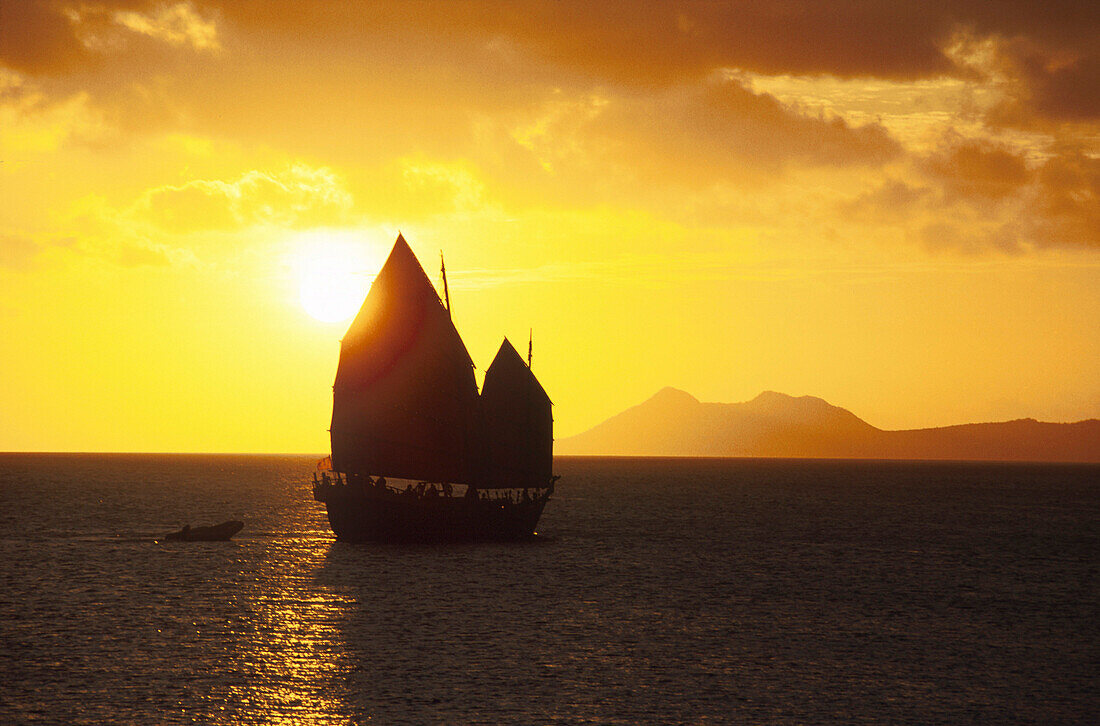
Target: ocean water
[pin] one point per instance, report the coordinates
(658, 591)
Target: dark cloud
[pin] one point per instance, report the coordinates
(1070, 93)
(974, 195)
(717, 130)
(978, 169)
(36, 37)
(1067, 203)
(1051, 47)
(1048, 83)
(666, 42)
(651, 148)
(890, 203)
(57, 37)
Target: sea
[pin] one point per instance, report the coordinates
(658, 591)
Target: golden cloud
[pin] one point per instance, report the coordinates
(178, 24)
(54, 36)
(102, 29)
(34, 123)
(296, 196)
(978, 170)
(690, 137)
(22, 252)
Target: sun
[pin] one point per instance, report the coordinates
(334, 271)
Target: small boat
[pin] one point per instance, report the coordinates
(216, 533)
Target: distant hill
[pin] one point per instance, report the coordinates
(675, 423)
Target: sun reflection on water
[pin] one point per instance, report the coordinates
(290, 651)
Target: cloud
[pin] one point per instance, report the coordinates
(731, 119)
(17, 252)
(142, 256)
(21, 252)
(1049, 48)
(297, 195)
(35, 123)
(52, 37)
(443, 187)
(666, 43)
(177, 24)
(886, 204)
(90, 238)
(978, 170)
(1066, 202)
(650, 43)
(1049, 86)
(691, 136)
(105, 29)
(1010, 64)
(36, 37)
(1069, 92)
(975, 195)
(1039, 83)
(676, 108)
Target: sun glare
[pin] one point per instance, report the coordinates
(334, 271)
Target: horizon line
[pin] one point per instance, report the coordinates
(869, 460)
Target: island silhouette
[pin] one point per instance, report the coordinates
(675, 423)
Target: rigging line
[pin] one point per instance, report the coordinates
(446, 292)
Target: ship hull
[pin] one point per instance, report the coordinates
(358, 515)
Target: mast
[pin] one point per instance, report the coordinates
(530, 339)
(446, 293)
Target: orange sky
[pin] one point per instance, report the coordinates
(888, 205)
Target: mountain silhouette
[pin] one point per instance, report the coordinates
(675, 423)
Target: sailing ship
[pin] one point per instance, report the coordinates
(417, 452)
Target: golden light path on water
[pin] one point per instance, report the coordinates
(292, 653)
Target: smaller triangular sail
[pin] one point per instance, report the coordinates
(517, 424)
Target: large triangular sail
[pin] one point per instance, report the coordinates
(405, 399)
(517, 424)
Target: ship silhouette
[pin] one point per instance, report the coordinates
(408, 425)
